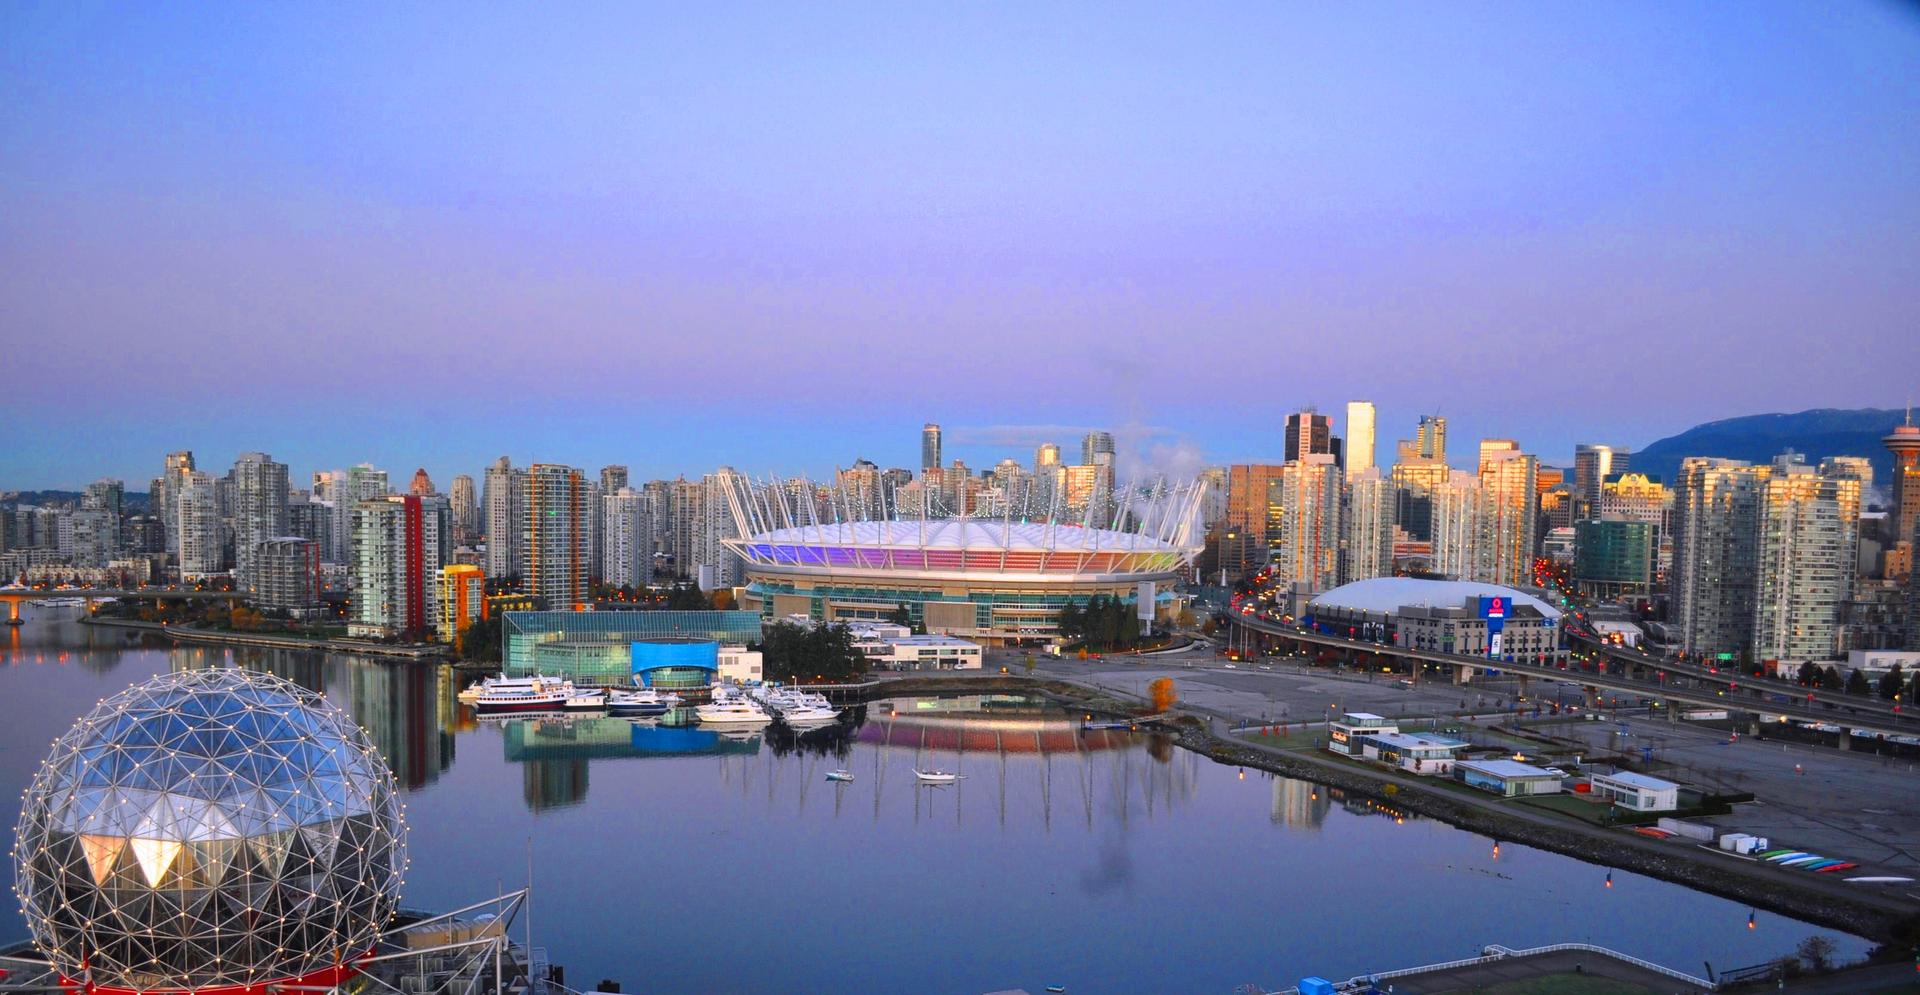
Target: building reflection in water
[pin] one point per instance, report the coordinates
(1026, 754)
(551, 784)
(1299, 804)
(406, 708)
(55, 635)
(554, 751)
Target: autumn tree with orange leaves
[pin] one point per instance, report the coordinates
(1162, 695)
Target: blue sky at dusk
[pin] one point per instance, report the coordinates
(782, 237)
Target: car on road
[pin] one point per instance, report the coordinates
(1229, 666)
(1266, 666)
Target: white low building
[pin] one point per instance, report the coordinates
(1507, 777)
(1875, 664)
(1637, 791)
(1413, 752)
(737, 665)
(925, 653)
(1344, 734)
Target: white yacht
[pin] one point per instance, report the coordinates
(936, 776)
(732, 711)
(809, 716)
(641, 701)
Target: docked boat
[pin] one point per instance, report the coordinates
(732, 711)
(587, 700)
(808, 716)
(840, 775)
(936, 776)
(472, 692)
(542, 695)
(642, 701)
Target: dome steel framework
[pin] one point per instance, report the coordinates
(211, 829)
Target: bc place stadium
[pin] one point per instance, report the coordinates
(996, 580)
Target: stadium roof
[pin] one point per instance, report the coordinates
(1390, 594)
(967, 533)
(962, 548)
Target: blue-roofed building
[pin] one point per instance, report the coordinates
(598, 647)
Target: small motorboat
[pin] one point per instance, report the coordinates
(936, 776)
(809, 716)
(643, 702)
(1056, 988)
(840, 775)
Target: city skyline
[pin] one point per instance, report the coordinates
(604, 233)
(1142, 450)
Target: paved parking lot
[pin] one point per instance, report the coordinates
(1851, 806)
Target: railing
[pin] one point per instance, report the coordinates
(1615, 954)
(1495, 952)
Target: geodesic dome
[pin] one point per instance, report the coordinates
(209, 829)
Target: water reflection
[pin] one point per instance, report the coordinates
(408, 709)
(1111, 860)
(1299, 804)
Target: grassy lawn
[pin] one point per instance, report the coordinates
(1573, 805)
(1559, 984)
(1301, 736)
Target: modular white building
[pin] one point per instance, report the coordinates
(1507, 777)
(1637, 791)
(1415, 753)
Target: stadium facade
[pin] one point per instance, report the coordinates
(993, 580)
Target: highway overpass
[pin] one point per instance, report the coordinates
(1674, 684)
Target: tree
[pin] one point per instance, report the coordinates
(1809, 674)
(1161, 694)
(1831, 680)
(480, 640)
(1073, 622)
(1817, 952)
(1857, 683)
(723, 599)
(901, 615)
(1892, 683)
(803, 653)
(686, 598)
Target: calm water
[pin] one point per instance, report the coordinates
(679, 860)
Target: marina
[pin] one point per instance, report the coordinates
(1110, 860)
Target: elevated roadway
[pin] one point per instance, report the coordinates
(1673, 683)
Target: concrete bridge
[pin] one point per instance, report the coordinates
(14, 597)
(1671, 682)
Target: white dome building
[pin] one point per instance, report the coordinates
(212, 830)
(1442, 616)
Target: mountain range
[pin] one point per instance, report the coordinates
(1818, 433)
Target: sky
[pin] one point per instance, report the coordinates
(782, 237)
